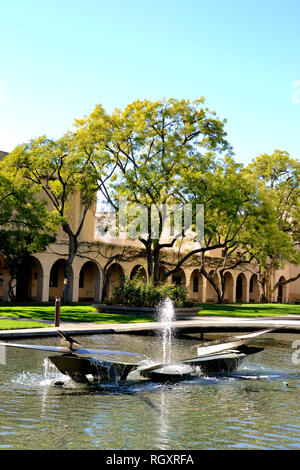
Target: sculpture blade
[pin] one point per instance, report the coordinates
(231, 342)
(59, 349)
(66, 350)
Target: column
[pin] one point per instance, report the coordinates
(45, 289)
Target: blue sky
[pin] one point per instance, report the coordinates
(61, 58)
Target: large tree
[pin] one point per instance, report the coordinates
(261, 208)
(236, 214)
(59, 170)
(152, 147)
(26, 226)
(279, 176)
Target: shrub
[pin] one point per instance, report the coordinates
(140, 294)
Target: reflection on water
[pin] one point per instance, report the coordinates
(256, 407)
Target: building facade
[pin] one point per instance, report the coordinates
(100, 264)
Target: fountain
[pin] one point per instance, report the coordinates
(232, 411)
(168, 369)
(80, 363)
(166, 315)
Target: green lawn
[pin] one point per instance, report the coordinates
(249, 310)
(86, 313)
(76, 313)
(19, 324)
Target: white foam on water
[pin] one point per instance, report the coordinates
(34, 379)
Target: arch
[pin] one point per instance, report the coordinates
(139, 272)
(179, 278)
(241, 288)
(114, 276)
(196, 286)
(211, 295)
(229, 291)
(29, 285)
(56, 279)
(89, 282)
(254, 295)
(282, 291)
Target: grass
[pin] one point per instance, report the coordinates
(86, 313)
(249, 310)
(19, 324)
(75, 313)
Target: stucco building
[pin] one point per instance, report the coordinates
(100, 262)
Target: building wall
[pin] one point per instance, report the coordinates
(96, 256)
(93, 260)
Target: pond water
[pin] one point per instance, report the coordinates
(257, 407)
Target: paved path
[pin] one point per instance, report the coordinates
(288, 324)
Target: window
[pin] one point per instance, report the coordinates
(81, 279)
(195, 283)
(54, 276)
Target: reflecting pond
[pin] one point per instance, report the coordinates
(257, 407)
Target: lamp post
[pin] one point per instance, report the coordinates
(57, 311)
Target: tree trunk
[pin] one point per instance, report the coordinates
(156, 264)
(219, 292)
(73, 250)
(268, 287)
(149, 261)
(262, 286)
(11, 288)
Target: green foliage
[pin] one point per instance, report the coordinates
(152, 147)
(59, 170)
(279, 179)
(135, 292)
(26, 226)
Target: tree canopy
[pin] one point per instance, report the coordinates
(152, 147)
(166, 159)
(279, 177)
(57, 169)
(26, 226)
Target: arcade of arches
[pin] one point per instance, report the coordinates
(42, 280)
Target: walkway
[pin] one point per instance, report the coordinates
(193, 325)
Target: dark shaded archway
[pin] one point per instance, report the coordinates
(241, 288)
(29, 283)
(281, 291)
(89, 282)
(254, 295)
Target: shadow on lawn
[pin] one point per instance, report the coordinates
(86, 313)
(250, 309)
(68, 313)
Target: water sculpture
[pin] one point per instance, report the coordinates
(222, 355)
(96, 366)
